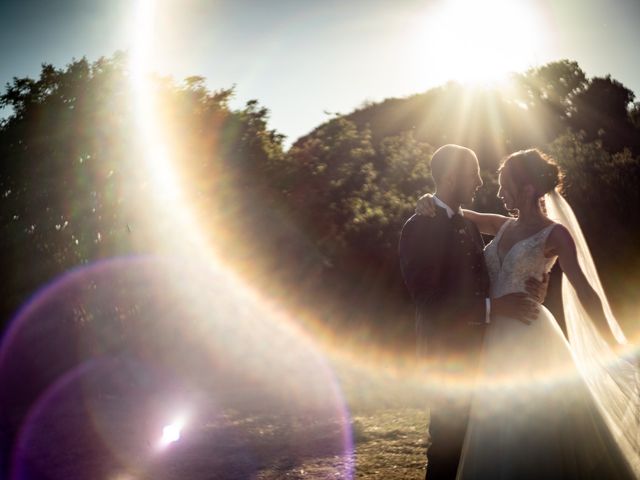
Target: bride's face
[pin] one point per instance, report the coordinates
(507, 191)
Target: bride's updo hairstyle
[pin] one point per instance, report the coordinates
(532, 167)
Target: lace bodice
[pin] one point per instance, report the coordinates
(525, 259)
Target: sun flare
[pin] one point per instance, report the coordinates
(478, 42)
(154, 135)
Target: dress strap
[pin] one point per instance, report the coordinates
(502, 229)
(544, 233)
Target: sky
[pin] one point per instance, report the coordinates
(307, 59)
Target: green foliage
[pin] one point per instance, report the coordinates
(401, 171)
(73, 175)
(321, 219)
(602, 111)
(61, 169)
(328, 176)
(603, 190)
(553, 86)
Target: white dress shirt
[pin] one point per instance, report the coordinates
(446, 207)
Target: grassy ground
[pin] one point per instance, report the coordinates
(108, 438)
(388, 445)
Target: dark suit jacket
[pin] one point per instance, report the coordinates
(443, 268)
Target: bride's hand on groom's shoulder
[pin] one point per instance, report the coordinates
(519, 306)
(426, 205)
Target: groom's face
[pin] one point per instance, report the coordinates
(468, 182)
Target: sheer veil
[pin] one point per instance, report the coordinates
(613, 380)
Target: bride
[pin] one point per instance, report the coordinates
(545, 407)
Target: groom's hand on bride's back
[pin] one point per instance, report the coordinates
(519, 306)
(538, 289)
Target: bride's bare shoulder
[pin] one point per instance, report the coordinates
(559, 240)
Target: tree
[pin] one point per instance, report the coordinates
(602, 112)
(73, 182)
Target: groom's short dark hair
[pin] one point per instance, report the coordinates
(450, 158)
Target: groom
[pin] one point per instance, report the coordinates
(442, 263)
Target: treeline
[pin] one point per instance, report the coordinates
(316, 225)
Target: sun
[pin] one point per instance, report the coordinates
(474, 41)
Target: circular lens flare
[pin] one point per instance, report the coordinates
(122, 345)
(171, 432)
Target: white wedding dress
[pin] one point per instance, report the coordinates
(533, 415)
